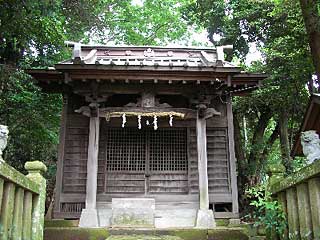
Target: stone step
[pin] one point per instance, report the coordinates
(76, 233)
(143, 237)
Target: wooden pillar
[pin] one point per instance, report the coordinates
(232, 159)
(202, 163)
(205, 217)
(61, 153)
(89, 217)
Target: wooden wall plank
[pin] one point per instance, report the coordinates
(7, 211)
(1, 192)
(61, 152)
(17, 214)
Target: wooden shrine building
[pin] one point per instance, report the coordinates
(310, 122)
(146, 128)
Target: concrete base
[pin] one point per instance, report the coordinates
(205, 219)
(175, 218)
(133, 212)
(89, 218)
(234, 221)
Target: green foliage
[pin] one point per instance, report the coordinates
(32, 116)
(149, 23)
(277, 29)
(32, 35)
(267, 212)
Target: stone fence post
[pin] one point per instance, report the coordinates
(35, 170)
(276, 173)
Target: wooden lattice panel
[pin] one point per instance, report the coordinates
(125, 150)
(168, 150)
(139, 161)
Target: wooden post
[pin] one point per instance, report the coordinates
(314, 195)
(202, 163)
(1, 191)
(17, 214)
(89, 216)
(205, 217)
(27, 215)
(305, 221)
(283, 201)
(232, 159)
(62, 142)
(7, 211)
(293, 216)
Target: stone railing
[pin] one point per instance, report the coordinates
(299, 195)
(22, 202)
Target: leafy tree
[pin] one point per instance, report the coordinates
(273, 113)
(310, 12)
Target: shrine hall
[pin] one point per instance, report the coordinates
(146, 137)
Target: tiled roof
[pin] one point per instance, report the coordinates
(148, 56)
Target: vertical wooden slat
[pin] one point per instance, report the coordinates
(232, 158)
(314, 195)
(293, 217)
(1, 192)
(62, 142)
(304, 211)
(7, 211)
(17, 214)
(26, 216)
(283, 201)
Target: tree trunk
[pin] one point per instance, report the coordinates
(284, 140)
(239, 145)
(312, 23)
(270, 142)
(241, 162)
(257, 142)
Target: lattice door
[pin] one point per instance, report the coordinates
(146, 161)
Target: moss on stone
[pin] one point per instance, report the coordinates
(61, 223)
(35, 166)
(297, 177)
(71, 233)
(18, 178)
(143, 237)
(227, 234)
(190, 234)
(222, 222)
(76, 233)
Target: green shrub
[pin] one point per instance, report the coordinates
(266, 211)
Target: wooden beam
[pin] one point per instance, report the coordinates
(184, 113)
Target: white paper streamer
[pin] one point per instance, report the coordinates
(155, 123)
(170, 120)
(139, 121)
(124, 120)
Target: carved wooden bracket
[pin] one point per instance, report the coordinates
(202, 103)
(90, 111)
